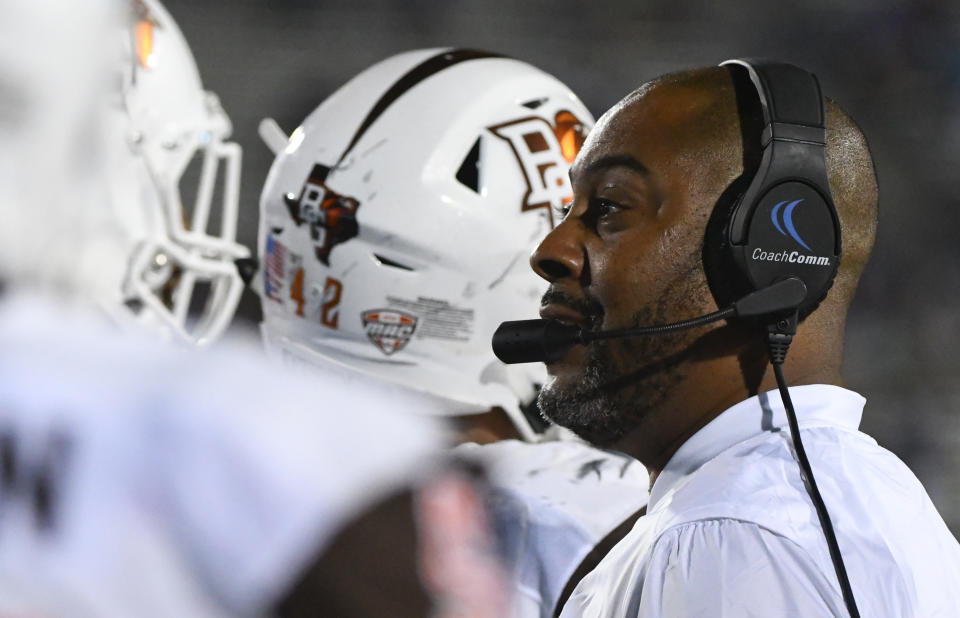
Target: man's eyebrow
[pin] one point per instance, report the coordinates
(615, 161)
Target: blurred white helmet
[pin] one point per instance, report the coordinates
(54, 66)
(169, 141)
(102, 121)
(397, 221)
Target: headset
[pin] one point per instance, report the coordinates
(760, 243)
(771, 250)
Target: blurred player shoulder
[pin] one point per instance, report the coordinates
(556, 508)
(220, 478)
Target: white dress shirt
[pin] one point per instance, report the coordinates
(731, 530)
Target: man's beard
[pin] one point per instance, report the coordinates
(606, 401)
(624, 380)
(586, 406)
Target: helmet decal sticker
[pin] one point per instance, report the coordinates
(332, 217)
(296, 291)
(274, 274)
(439, 319)
(571, 132)
(143, 35)
(278, 264)
(544, 152)
(143, 30)
(329, 310)
(388, 329)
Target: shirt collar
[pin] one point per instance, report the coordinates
(815, 404)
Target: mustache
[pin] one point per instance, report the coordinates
(591, 310)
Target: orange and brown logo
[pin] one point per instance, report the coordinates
(389, 329)
(144, 23)
(332, 217)
(545, 152)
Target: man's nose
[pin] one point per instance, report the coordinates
(560, 255)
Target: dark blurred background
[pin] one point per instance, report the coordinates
(895, 65)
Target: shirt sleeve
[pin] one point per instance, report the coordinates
(725, 568)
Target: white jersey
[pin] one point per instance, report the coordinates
(553, 502)
(137, 480)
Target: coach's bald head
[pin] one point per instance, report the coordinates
(631, 252)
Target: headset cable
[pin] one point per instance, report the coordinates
(779, 338)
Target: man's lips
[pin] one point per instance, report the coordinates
(563, 314)
(577, 310)
(570, 360)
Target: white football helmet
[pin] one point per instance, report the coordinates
(396, 223)
(102, 162)
(54, 63)
(181, 273)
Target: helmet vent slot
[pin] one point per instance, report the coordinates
(469, 172)
(534, 103)
(388, 262)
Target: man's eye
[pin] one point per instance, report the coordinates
(603, 207)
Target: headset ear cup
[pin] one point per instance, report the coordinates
(785, 241)
(811, 306)
(727, 281)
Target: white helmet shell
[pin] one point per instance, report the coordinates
(397, 222)
(54, 63)
(180, 277)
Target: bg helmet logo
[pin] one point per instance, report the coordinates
(145, 23)
(332, 217)
(275, 263)
(545, 153)
(388, 329)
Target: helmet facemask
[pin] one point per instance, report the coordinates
(178, 188)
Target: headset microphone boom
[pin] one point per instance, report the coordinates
(531, 341)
